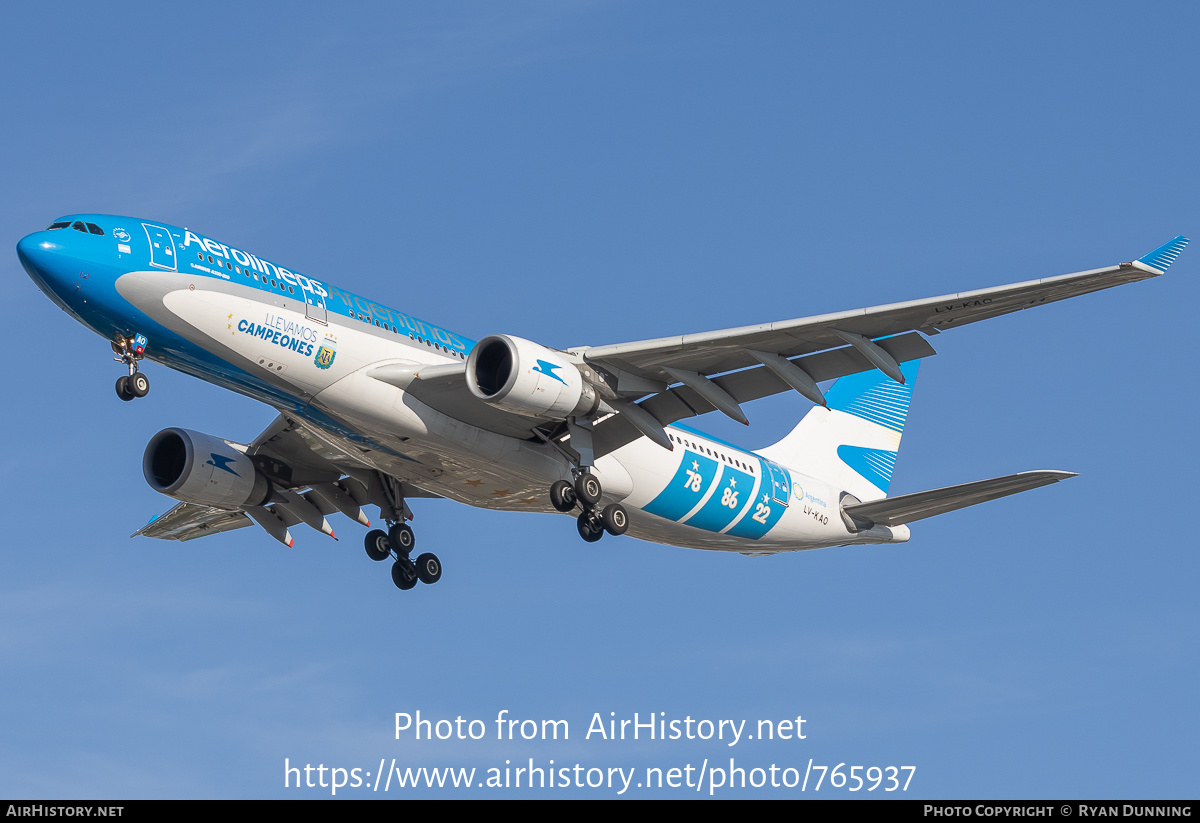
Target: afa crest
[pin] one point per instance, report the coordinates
(325, 354)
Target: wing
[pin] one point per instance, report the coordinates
(728, 349)
(443, 388)
(755, 361)
(310, 481)
(188, 521)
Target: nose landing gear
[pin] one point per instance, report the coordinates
(130, 351)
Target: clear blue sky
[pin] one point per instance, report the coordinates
(592, 173)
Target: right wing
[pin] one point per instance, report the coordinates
(728, 349)
(755, 361)
(651, 383)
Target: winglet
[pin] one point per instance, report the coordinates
(1162, 257)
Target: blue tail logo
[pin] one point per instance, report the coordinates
(875, 397)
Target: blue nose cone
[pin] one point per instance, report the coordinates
(36, 252)
(46, 260)
(30, 248)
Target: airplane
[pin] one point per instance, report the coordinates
(377, 407)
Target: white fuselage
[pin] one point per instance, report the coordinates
(704, 494)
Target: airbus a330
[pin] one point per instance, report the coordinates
(378, 408)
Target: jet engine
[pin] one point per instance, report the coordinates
(198, 468)
(522, 377)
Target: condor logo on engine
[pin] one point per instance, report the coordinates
(547, 369)
(222, 463)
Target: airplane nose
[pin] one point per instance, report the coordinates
(38, 253)
(35, 250)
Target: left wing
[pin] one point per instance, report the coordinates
(309, 483)
(188, 521)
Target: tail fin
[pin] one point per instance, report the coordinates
(852, 443)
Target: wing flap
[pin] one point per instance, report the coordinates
(907, 508)
(752, 384)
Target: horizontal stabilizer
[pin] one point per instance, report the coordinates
(896, 511)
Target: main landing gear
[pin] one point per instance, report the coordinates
(586, 492)
(398, 541)
(129, 351)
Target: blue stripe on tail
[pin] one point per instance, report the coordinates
(874, 396)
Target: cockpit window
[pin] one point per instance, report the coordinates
(94, 229)
(78, 226)
(61, 225)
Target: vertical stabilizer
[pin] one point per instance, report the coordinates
(852, 443)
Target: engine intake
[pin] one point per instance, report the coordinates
(522, 377)
(201, 469)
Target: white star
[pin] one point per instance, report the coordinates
(732, 483)
(695, 466)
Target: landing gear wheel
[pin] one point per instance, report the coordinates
(429, 568)
(586, 530)
(562, 496)
(615, 521)
(402, 538)
(123, 391)
(378, 545)
(403, 575)
(138, 384)
(587, 489)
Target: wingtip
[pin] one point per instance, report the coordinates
(1162, 257)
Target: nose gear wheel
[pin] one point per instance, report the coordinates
(130, 352)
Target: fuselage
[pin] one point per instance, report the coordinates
(304, 347)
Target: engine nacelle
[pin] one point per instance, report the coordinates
(198, 468)
(522, 377)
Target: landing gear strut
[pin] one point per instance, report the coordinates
(398, 541)
(586, 491)
(130, 351)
